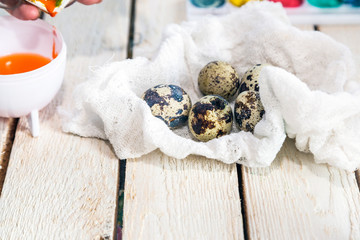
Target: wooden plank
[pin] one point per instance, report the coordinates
(151, 18)
(7, 132)
(194, 198)
(350, 36)
(298, 199)
(61, 186)
(165, 198)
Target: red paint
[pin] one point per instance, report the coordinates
(289, 3)
(21, 62)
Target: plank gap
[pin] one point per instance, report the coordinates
(120, 205)
(117, 207)
(357, 176)
(239, 169)
(130, 45)
(6, 150)
(122, 173)
(122, 165)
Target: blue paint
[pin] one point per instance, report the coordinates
(355, 3)
(325, 3)
(207, 3)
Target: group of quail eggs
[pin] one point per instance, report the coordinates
(210, 117)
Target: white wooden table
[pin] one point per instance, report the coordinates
(61, 186)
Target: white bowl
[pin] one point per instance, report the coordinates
(26, 93)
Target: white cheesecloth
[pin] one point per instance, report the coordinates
(308, 93)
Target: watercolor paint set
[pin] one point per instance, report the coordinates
(299, 11)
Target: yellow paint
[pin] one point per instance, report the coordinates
(239, 3)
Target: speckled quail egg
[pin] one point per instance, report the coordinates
(210, 117)
(249, 81)
(219, 78)
(170, 103)
(248, 110)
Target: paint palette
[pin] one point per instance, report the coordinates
(299, 11)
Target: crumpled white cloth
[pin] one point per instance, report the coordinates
(307, 93)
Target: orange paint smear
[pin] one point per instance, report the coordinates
(21, 62)
(50, 6)
(54, 53)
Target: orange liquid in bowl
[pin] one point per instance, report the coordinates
(21, 62)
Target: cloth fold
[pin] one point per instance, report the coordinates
(309, 92)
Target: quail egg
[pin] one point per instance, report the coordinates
(248, 110)
(210, 117)
(250, 79)
(170, 103)
(219, 78)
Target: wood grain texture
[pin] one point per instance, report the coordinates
(194, 198)
(151, 19)
(165, 198)
(7, 132)
(61, 186)
(298, 199)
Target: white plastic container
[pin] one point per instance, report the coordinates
(26, 93)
